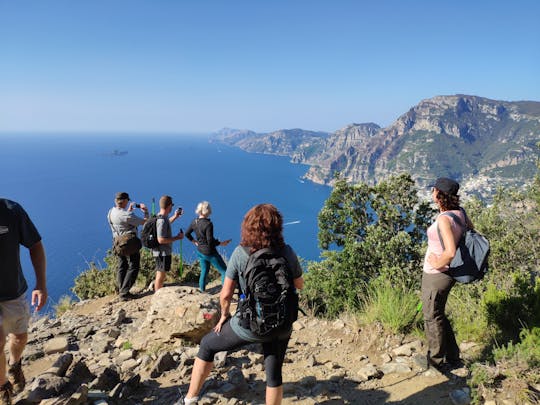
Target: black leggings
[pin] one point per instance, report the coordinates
(227, 340)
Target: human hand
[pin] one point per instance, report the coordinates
(143, 207)
(180, 235)
(222, 320)
(432, 260)
(39, 298)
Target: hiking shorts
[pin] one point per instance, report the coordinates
(15, 315)
(163, 263)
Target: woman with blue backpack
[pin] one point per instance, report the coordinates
(443, 238)
(262, 258)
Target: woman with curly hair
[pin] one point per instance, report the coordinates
(436, 283)
(262, 227)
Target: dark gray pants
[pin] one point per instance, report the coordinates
(128, 270)
(440, 336)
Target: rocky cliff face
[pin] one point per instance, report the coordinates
(482, 143)
(299, 144)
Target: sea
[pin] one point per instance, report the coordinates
(67, 182)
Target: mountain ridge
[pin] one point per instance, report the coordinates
(483, 143)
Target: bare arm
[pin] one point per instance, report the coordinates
(225, 298)
(299, 283)
(449, 244)
(39, 262)
(163, 241)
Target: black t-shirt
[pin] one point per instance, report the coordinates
(16, 229)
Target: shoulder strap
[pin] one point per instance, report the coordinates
(457, 220)
(110, 222)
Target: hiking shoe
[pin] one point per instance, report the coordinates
(16, 377)
(6, 393)
(127, 297)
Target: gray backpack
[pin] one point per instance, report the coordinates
(471, 260)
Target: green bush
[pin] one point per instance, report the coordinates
(64, 304)
(367, 232)
(527, 350)
(395, 308)
(98, 282)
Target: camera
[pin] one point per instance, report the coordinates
(179, 211)
(137, 205)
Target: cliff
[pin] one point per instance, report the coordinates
(482, 143)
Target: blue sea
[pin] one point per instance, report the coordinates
(67, 184)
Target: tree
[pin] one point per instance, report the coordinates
(367, 232)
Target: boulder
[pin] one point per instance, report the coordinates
(56, 345)
(46, 386)
(61, 365)
(164, 363)
(178, 312)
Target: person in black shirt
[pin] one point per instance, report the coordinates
(17, 229)
(206, 243)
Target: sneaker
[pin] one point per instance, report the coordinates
(16, 377)
(5, 394)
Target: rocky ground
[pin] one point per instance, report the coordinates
(106, 351)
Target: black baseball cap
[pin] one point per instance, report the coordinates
(446, 185)
(122, 196)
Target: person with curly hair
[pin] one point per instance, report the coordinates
(436, 283)
(262, 227)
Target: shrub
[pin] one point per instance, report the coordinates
(367, 232)
(396, 309)
(64, 304)
(98, 282)
(527, 350)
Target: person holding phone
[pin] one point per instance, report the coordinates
(163, 253)
(206, 243)
(123, 220)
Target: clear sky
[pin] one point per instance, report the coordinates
(199, 65)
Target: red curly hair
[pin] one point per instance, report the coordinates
(262, 227)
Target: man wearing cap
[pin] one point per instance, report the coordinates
(123, 220)
(17, 229)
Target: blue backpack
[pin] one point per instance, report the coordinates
(471, 260)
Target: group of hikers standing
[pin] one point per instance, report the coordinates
(263, 267)
(124, 223)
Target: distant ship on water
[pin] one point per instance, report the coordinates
(117, 152)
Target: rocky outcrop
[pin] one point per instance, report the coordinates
(482, 143)
(105, 360)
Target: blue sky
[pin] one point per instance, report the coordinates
(197, 66)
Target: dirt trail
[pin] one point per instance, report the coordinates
(322, 366)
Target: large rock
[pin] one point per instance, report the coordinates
(178, 312)
(46, 386)
(56, 345)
